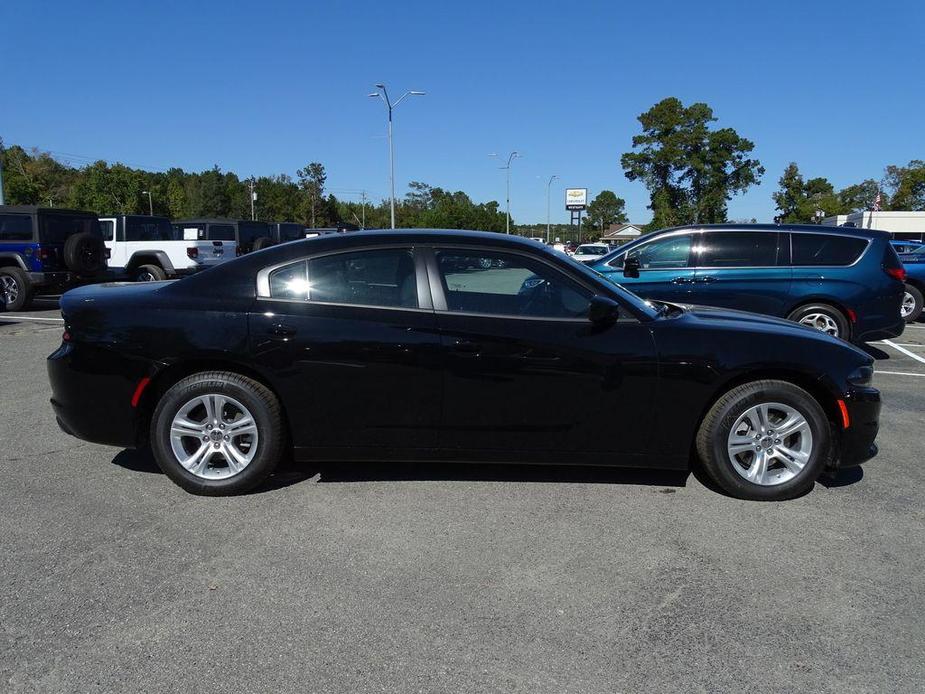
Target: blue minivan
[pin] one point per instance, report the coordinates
(847, 282)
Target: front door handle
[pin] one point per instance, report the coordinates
(281, 331)
(682, 280)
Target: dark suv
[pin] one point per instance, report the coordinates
(846, 282)
(46, 251)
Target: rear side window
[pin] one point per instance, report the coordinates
(372, 278)
(148, 230)
(825, 249)
(15, 227)
(289, 282)
(291, 232)
(221, 232)
(107, 227)
(738, 249)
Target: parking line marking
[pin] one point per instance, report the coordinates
(900, 373)
(16, 318)
(905, 351)
(900, 344)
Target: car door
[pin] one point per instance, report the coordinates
(742, 269)
(526, 373)
(664, 271)
(350, 342)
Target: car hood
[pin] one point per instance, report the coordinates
(757, 322)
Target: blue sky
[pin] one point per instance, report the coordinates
(263, 88)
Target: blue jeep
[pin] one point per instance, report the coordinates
(847, 282)
(47, 251)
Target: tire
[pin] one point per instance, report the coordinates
(727, 422)
(213, 475)
(16, 291)
(149, 273)
(85, 253)
(823, 317)
(261, 243)
(912, 304)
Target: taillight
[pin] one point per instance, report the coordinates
(192, 252)
(65, 336)
(897, 273)
(237, 251)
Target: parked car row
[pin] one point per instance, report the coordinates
(48, 250)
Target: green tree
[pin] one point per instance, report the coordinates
(907, 186)
(860, 196)
(691, 170)
(798, 200)
(311, 181)
(604, 210)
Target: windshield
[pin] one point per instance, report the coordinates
(592, 250)
(56, 228)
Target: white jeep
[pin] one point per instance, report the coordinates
(148, 249)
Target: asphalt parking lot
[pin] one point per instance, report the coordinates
(460, 578)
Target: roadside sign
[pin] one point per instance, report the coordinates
(576, 198)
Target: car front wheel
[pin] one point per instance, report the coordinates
(765, 440)
(217, 433)
(15, 289)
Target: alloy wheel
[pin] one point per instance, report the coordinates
(213, 436)
(770, 443)
(9, 289)
(821, 321)
(146, 277)
(908, 305)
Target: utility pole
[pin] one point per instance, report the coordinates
(548, 185)
(1, 173)
(384, 95)
(253, 198)
(363, 198)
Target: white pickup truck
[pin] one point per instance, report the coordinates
(148, 249)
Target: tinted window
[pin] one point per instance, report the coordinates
(289, 282)
(291, 232)
(15, 227)
(56, 228)
(666, 252)
(823, 249)
(374, 278)
(508, 285)
(141, 229)
(107, 227)
(248, 233)
(221, 232)
(592, 250)
(738, 249)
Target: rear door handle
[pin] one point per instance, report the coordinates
(466, 347)
(682, 280)
(705, 280)
(281, 331)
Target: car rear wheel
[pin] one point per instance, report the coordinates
(15, 289)
(911, 307)
(217, 433)
(765, 440)
(149, 273)
(822, 317)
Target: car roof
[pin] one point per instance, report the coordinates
(218, 220)
(811, 228)
(32, 209)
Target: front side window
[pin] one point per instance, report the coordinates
(738, 249)
(659, 254)
(15, 227)
(508, 285)
(825, 249)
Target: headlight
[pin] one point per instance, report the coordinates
(862, 376)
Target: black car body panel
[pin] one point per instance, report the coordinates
(360, 382)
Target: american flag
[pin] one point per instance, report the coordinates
(877, 202)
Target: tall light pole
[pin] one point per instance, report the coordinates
(150, 204)
(548, 185)
(511, 157)
(383, 94)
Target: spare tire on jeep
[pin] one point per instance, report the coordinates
(85, 253)
(261, 243)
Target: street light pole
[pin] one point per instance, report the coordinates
(150, 204)
(384, 95)
(511, 157)
(548, 185)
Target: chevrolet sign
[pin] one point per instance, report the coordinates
(576, 198)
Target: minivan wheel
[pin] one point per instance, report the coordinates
(822, 317)
(217, 433)
(149, 273)
(15, 289)
(911, 307)
(765, 440)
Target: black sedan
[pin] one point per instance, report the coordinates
(450, 346)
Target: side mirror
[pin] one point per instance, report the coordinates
(603, 311)
(631, 267)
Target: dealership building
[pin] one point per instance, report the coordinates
(903, 225)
